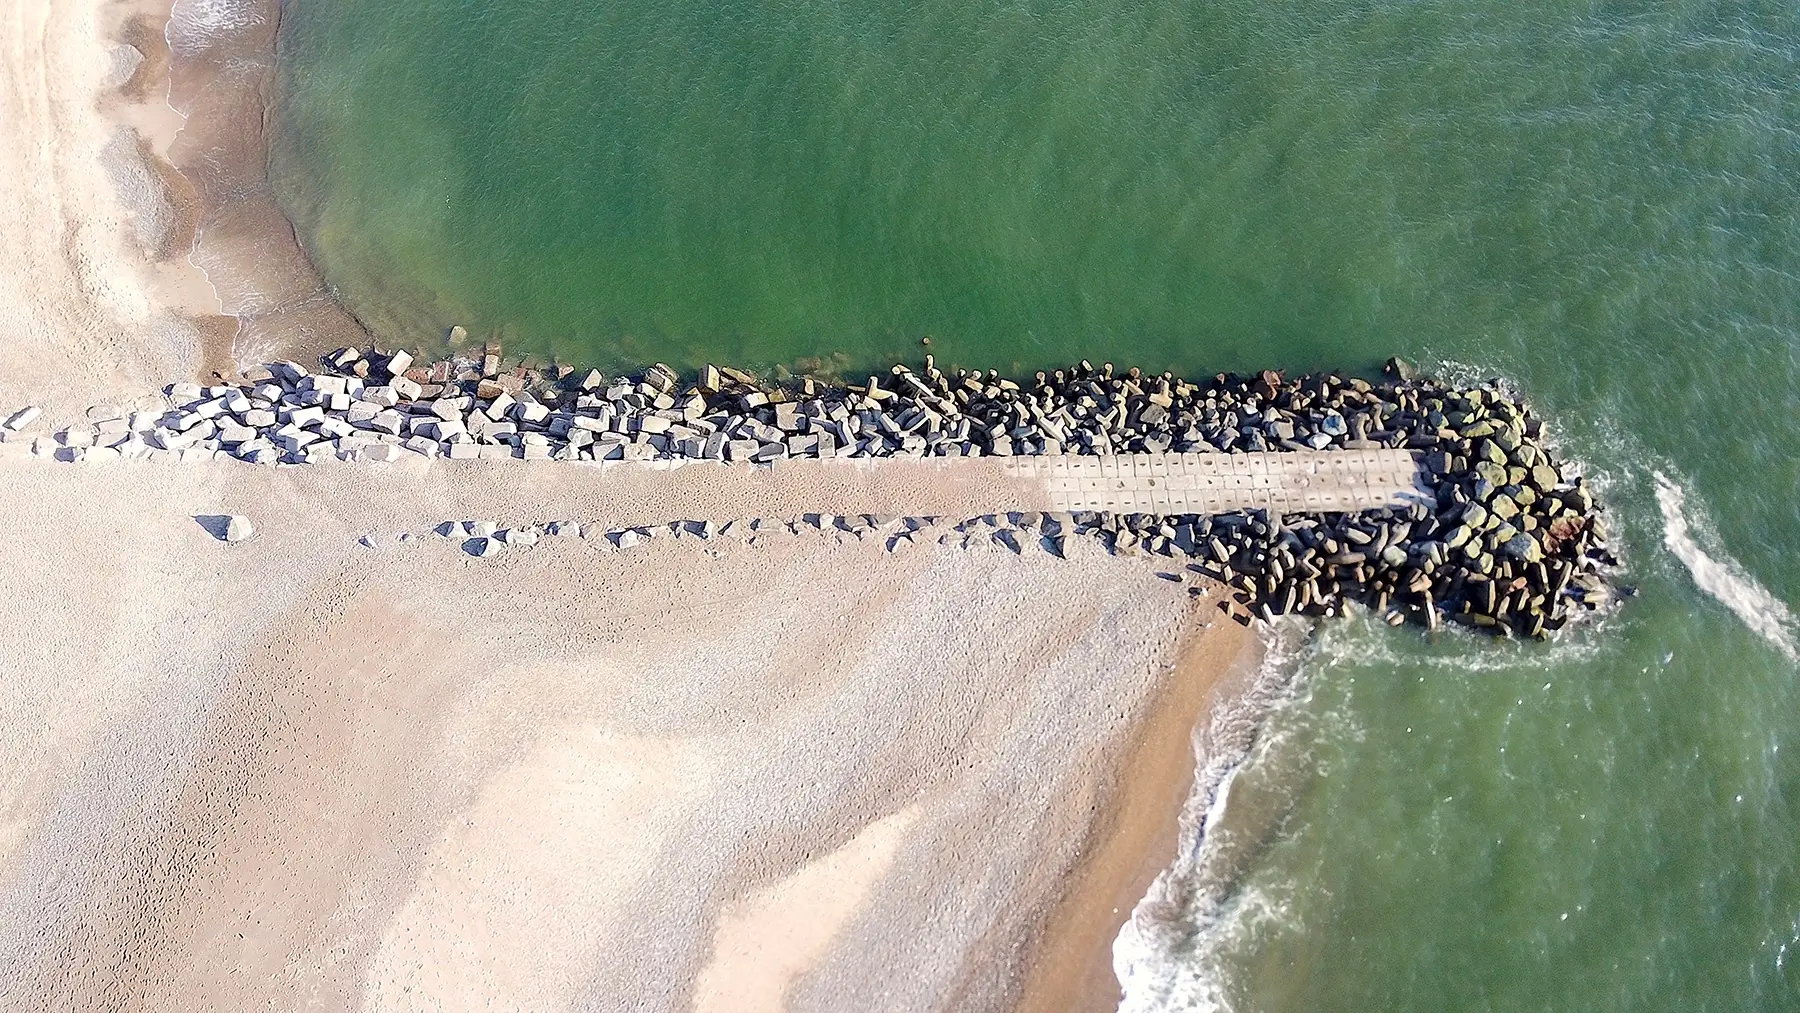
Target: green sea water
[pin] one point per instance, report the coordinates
(1595, 200)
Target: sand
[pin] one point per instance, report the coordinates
(698, 774)
(301, 773)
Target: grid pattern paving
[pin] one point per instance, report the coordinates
(1281, 482)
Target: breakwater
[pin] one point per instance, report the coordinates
(1497, 535)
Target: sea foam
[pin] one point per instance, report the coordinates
(1169, 954)
(1721, 576)
(204, 18)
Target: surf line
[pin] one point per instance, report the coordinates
(1723, 577)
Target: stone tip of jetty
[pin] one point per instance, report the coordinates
(1502, 535)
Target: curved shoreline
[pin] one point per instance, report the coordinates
(220, 76)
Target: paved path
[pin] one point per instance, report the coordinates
(639, 493)
(1345, 480)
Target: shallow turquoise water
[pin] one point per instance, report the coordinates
(1596, 200)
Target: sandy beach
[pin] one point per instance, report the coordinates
(298, 772)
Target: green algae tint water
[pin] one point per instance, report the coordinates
(1597, 200)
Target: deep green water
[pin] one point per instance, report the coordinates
(1597, 200)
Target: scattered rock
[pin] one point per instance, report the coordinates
(226, 527)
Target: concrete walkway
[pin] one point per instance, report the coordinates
(415, 491)
(1344, 480)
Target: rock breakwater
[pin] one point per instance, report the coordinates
(1501, 537)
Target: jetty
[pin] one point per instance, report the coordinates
(1419, 500)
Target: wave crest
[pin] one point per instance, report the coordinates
(1721, 576)
(196, 21)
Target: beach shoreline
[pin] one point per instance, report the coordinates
(1138, 832)
(221, 80)
(113, 219)
(320, 650)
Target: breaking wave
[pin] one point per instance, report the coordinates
(194, 21)
(1719, 575)
(1167, 955)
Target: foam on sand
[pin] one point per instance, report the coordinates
(1722, 576)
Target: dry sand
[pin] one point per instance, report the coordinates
(299, 773)
(790, 775)
(83, 220)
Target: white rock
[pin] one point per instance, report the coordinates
(294, 440)
(449, 408)
(238, 528)
(231, 433)
(335, 427)
(305, 416)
